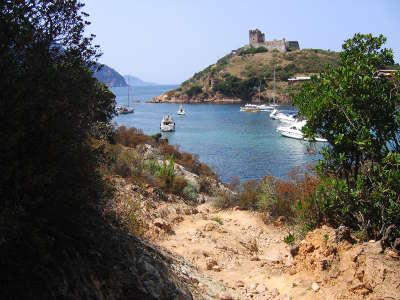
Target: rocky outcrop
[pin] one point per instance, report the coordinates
(344, 270)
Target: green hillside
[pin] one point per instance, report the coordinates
(247, 74)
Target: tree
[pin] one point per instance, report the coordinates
(50, 103)
(357, 110)
(353, 107)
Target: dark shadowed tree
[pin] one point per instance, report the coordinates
(49, 104)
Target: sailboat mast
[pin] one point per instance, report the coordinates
(274, 87)
(128, 91)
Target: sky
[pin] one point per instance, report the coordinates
(167, 41)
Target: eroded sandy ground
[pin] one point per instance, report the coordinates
(245, 258)
(233, 254)
(237, 256)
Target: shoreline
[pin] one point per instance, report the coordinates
(196, 101)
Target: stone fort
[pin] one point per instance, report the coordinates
(257, 39)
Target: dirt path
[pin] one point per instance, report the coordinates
(239, 256)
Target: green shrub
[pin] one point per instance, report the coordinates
(225, 199)
(194, 90)
(205, 185)
(190, 193)
(218, 219)
(289, 239)
(253, 50)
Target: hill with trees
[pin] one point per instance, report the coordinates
(247, 74)
(109, 76)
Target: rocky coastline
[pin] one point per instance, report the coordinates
(165, 98)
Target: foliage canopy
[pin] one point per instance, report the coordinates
(357, 110)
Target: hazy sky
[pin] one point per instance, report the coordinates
(167, 41)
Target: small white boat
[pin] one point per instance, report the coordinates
(273, 114)
(294, 131)
(181, 110)
(249, 108)
(286, 118)
(167, 124)
(266, 107)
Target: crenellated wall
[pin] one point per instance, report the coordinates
(257, 39)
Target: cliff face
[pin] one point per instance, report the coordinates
(109, 76)
(247, 75)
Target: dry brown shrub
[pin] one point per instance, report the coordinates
(248, 195)
(131, 137)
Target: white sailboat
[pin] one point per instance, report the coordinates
(181, 111)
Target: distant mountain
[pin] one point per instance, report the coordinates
(109, 76)
(135, 81)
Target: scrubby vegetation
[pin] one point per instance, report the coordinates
(357, 111)
(241, 73)
(252, 50)
(357, 182)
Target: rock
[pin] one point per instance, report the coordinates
(210, 263)
(225, 296)
(253, 286)
(187, 211)
(239, 283)
(280, 221)
(274, 292)
(205, 253)
(261, 288)
(376, 247)
(391, 254)
(210, 226)
(315, 287)
(236, 208)
(294, 250)
(342, 233)
(217, 268)
(292, 271)
(164, 225)
(254, 258)
(323, 264)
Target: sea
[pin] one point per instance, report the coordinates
(233, 143)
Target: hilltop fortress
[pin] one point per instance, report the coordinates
(257, 39)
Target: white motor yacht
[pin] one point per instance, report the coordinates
(167, 124)
(294, 131)
(181, 111)
(286, 118)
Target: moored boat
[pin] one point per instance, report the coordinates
(167, 124)
(294, 131)
(181, 111)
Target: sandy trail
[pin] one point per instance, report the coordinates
(239, 256)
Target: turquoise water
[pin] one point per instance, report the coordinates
(233, 143)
